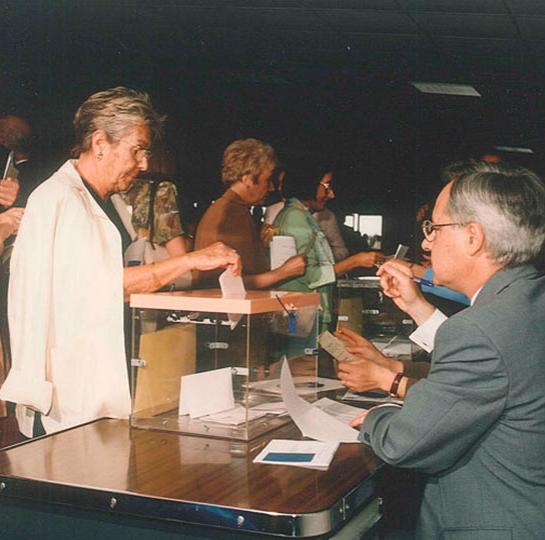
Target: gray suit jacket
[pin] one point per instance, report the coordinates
(476, 424)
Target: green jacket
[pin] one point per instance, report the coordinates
(295, 220)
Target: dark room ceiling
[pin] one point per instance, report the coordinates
(322, 76)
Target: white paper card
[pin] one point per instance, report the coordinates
(395, 347)
(282, 248)
(313, 422)
(341, 411)
(206, 393)
(232, 287)
(307, 454)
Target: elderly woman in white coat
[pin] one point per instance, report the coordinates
(68, 283)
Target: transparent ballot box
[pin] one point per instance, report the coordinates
(203, 364)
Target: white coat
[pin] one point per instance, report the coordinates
(65, 310)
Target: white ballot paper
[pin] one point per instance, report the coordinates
(341, 411)
(232, 287)
(395, 347)
(205, 393)
(276, 408)
(282, 248)
(308, 454)
(313, 422)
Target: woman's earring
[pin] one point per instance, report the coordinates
(99, 156)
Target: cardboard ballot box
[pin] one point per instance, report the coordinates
(207, 365)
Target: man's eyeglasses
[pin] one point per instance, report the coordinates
(139, 152)
(429, 228)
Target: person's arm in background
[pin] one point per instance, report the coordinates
(176, 246)
(9, 223)
(167, 223)
(293, 267)
(363, 259)
(9, 188)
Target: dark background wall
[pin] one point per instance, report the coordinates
(327, 77)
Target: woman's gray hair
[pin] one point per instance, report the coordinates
(115, 111)
(509, 203)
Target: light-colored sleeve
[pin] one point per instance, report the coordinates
(295, 224)
(29, 305)
(424, 335)
(444, 415)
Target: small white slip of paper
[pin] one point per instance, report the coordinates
(340, 411)
(322, 453)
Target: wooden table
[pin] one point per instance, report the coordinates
(111, 479)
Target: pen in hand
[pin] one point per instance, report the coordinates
(419, 281)
(425, 282)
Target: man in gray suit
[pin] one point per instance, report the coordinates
(476, 424)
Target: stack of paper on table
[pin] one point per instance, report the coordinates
(271, 407)
(308, 454)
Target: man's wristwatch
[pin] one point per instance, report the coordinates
(395, 385)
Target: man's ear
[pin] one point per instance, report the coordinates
(475, 239)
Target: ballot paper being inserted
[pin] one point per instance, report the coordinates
(206, 393)
(313, 422)
(232, 287)
(282, 248)
(308, 454)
